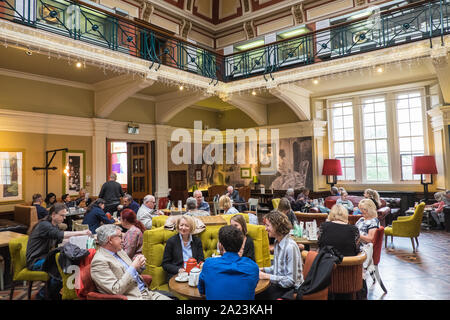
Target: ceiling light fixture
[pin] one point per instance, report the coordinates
(181, 87)
(29, 52)
(315, 81)
(78, 65)
(380, 70)
(254, 92)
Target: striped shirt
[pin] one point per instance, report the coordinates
(286, 270)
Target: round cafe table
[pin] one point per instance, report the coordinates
(184, 289)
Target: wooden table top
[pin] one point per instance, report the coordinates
(304, 240)
(212, 220)
(192, 293)
(7, 236)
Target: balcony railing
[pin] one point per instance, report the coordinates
(83, 22)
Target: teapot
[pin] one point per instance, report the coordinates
(193, 277)
(190, 264)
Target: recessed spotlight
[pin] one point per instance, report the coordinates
(315, 81)
(78, 65)
(380, 70)
(254, 92)
(28, 52)
(181, 87)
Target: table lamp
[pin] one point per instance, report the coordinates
(332, 168)
(425, 165)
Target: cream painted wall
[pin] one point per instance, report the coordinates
(34, 96)
(186, 118)
(235, 119)
(280, 113)
(34, 145)
(136, 110)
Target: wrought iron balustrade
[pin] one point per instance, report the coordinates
(100, 27)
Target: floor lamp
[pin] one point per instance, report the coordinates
(425, 165)
(332, 168)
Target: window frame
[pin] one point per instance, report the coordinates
(389, 95)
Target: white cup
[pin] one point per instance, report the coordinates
(183, 276)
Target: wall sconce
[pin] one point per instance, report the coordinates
(133, 128)
(48, 163)
(66, 170)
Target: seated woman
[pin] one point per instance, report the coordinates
(181, 247)
(343, 200)
(373, 196)
(285, 207)
(367, 226)
(95, 215)
(67, 201)
(438, 210)
(338, 233)
(248, 247)
(303, 200)
(50, 200)
(226, 205)
(286, 272)
(133, 238)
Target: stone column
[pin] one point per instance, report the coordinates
(440, 123)
(99, 152)
(162, 174)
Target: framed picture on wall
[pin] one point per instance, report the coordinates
(246, 173)
(198, 174)
(74, 161)
(11, 176)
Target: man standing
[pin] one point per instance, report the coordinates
(111, 192)
(201, 205)
(112, 270)
(147, 211)
(229, 277)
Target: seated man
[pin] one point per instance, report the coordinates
(129, 203)
(201, 205)
(112, 270)
(43, 238)
(82, 201)
(233, 194)
(192, 210)
(147, 211)
(37, 201)
(229, 277)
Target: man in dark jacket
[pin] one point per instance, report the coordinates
(111, 192)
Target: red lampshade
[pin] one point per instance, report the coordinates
(424, 165)
(332, 167)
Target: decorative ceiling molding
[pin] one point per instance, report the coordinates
(186, 27)
(249, 28)
(298, 13)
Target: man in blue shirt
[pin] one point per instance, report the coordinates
(37, 201)
(201, 205)
(229, 277)
(128, 202)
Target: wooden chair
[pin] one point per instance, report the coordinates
(77, 225)
(307, 217)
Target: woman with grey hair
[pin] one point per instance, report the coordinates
(191, 208)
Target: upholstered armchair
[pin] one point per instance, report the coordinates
(347, 275)
(18, 250)
(406, 226)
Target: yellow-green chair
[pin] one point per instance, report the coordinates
(275, 203)
(159, 221)
(18, 250)
(67, 293)
(408, 227)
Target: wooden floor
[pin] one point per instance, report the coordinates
(424, 275)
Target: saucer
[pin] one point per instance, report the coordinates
(177, 279)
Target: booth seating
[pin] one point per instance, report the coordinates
(156, 238)
(384, 212)
(25, 217)
(214, 191)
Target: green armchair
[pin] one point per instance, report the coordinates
(18, 250)
(408, 227)
(155, 240)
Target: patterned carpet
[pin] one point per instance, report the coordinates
(424, 275)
